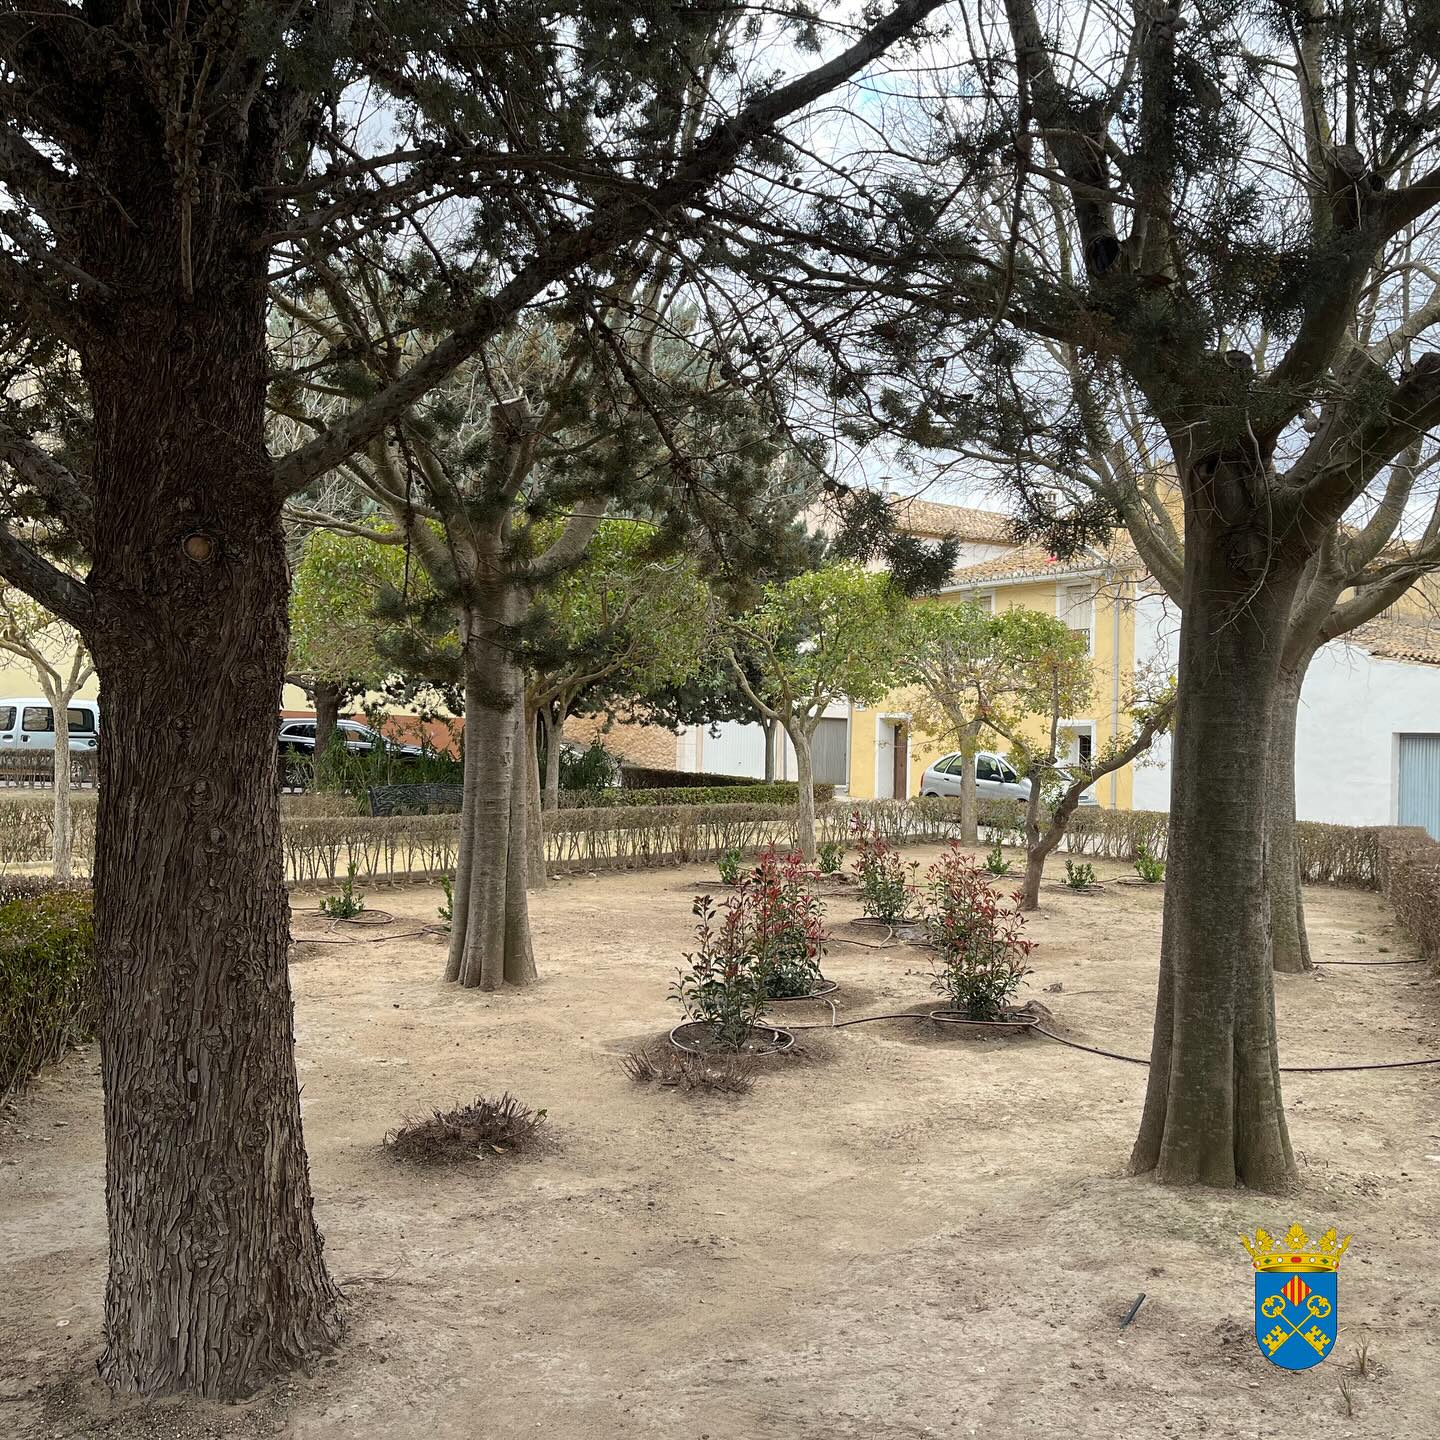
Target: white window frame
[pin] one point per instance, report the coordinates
(1064, 609)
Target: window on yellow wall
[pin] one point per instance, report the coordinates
(1078, 610)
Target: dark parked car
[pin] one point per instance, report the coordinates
(297, 737)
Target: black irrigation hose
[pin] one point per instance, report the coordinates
(1321, 963)
(361, 939)
(1115, 1054)
(888, 943)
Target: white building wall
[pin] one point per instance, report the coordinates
(729, 749)
(733, 748)
(1157, 643)
(1352, 709)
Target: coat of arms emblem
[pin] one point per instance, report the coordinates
(1297, 1295)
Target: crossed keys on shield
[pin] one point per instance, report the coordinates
(1273, 1307)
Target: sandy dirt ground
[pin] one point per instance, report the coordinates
(900, 1233)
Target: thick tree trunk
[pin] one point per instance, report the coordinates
(216, 1279)
(490, 924)
(60, 848)
(805, 793)
(553, 731)
(328, 699)
(1290, 946)
(1213, 1111)
(534, 818)
(771, 728)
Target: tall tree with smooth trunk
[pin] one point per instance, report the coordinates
(1155, 155)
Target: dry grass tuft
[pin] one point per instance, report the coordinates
(722, 1074)
(489, 1127)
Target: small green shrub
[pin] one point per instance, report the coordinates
(593, 768)
(786, 925)
(722, 988)
(831, 855)
(347, 904)
(49, 984)
(1148, 868)
(885, 889)
(446, 910)
(730, 865)
(979, 943)
(1079, 877)
(996, 863)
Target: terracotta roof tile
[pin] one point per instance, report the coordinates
(1394, 637)
(1027, 562)
(962, 522)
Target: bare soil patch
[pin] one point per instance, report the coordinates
(903, 1240)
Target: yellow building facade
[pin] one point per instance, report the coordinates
(1093, 593)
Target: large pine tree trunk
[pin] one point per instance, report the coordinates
(328, 698)
(1289, 942)
(805, 794)
(216, 1279)
(490, 922)
(1213, 1111)
(60, 847)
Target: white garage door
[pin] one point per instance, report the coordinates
(1420, 782)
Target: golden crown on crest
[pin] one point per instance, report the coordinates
(1294, 1250)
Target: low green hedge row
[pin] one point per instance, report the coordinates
(774, 792)
(49, 985)
(315, 824)
(658, 777)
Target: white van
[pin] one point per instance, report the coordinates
(29, 724)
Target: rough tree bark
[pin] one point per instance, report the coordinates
(216, 1279)
(771, 727)
(1213, 1111)
(490, 920)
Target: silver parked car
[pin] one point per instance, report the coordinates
(995, 779)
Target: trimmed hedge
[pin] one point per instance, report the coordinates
(654, 777)
(777, 792)
(1408, 871)
(324, 830)
(27, 827)
(49, 983)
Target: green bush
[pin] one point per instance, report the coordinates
(593, 768)
(657, 777)
(777, 792)
(49, 990)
